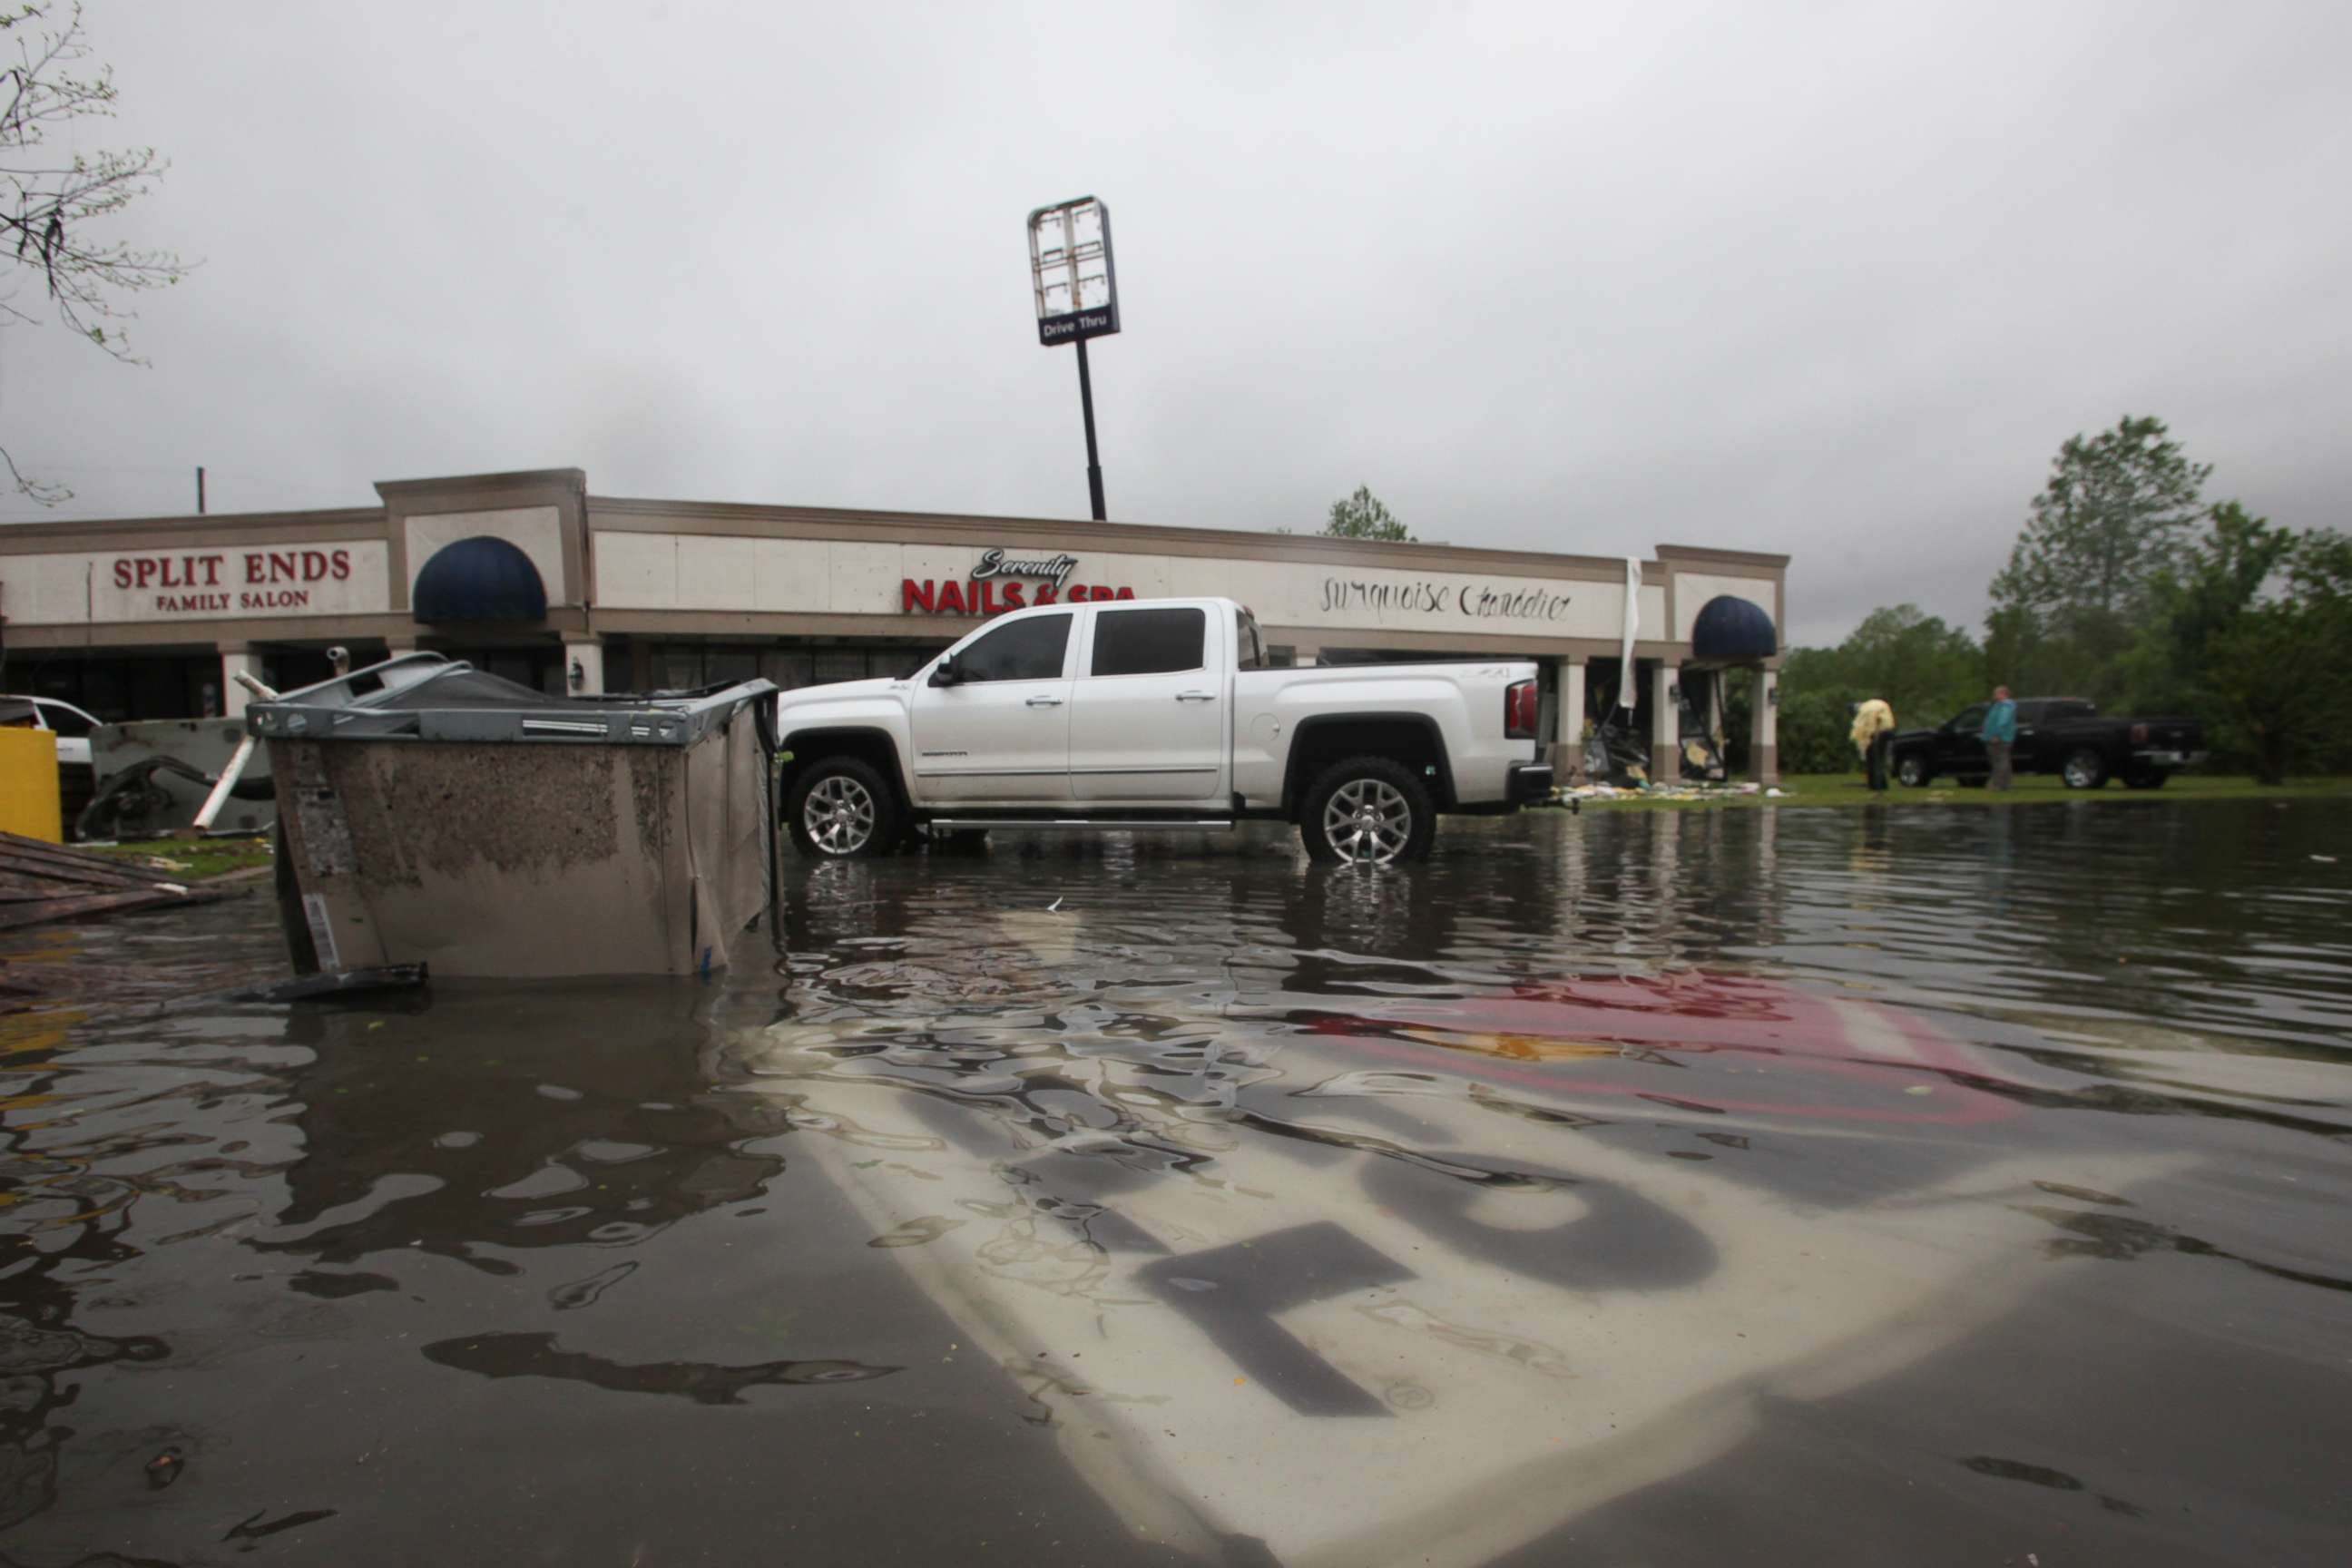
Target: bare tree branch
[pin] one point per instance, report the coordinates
(40, 490)
(48, 207)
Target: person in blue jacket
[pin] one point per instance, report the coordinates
(1999, 735)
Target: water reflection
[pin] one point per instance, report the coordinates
(527, 1118)
(1081, 1186)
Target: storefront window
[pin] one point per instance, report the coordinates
(681, 667)
(789, 668)
(726, 666)
(149, 686)
(840, 664)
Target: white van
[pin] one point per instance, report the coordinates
(70, 723)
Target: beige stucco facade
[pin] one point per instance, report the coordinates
(636, 591)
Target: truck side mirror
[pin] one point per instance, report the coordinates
(944, 673)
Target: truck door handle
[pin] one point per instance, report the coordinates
(1045, 702)
(1196, 697)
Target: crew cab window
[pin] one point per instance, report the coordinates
(1252, 653)
(64, 720)
(1971, 721)
(1018, 650)
(1149, 642)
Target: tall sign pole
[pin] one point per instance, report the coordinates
(1094, 458)
(1076, 290)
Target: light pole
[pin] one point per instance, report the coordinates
(1077, 298)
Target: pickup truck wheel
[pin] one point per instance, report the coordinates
(2085, 769)
(839, 809)
(1913, 773)
(1368, 811)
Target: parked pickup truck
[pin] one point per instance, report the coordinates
(1160, 714)
(2061, 735)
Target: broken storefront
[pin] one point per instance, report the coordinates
(532, 578)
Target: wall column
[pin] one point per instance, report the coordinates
(590, 657)
(236, 661)
(1665, 725)
(1767, 742)
(1567, 748)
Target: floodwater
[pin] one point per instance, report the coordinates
(1810, 1186)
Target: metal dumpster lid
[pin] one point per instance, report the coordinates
(430, 697)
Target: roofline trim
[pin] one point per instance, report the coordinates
(1133, 537)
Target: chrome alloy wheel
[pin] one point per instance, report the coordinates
(2081, 772)
(1366, 822)
(839, 814)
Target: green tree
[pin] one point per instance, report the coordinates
(1924, 668)
(2278, 674)
(2119, 507)
(2198, 602)
(1813, 727)
(54, 202)
(1362, 516)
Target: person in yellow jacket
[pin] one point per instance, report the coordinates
(1873, 737)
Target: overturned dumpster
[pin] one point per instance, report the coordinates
(431, 812)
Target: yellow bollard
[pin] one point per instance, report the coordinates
(29, 803)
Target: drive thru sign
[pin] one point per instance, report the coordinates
(1077, 299)
(1070, 271)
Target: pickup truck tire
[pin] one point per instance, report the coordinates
(2084, 769)
(839, 808)
(1914, 772)
(1367, 811)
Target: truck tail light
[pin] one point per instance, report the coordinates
(2139, 734)
(1519, 706)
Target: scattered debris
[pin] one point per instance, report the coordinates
(41, 881)
(306, 987)
(164, 1468)
(1571, 795)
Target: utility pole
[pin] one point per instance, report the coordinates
(200, 490)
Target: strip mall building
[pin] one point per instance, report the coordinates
(529, 576)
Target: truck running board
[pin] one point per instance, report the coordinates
(1122, 824)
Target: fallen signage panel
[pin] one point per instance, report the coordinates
(1424, 1285)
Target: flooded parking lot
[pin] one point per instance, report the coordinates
(1776, 1186)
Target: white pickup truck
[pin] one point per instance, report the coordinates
(1159, 714)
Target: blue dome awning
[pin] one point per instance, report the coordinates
(1731, 628)
(479, 579)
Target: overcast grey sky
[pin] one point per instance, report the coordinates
(1829, 279)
